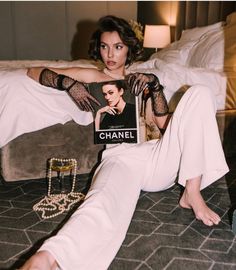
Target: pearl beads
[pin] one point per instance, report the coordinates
(57, 204)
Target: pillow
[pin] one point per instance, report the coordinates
(175, 53)
(168, 54)
(178, 51)
(197, 32)
(208, 52)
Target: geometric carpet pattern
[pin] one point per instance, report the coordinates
(161, 235)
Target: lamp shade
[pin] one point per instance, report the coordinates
(156, 36)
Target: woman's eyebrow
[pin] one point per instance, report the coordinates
(117, 43)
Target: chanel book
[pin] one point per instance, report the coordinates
(116, 119)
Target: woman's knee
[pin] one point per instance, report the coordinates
(204, 95)
(202, 91)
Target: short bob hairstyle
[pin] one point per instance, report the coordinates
(122, 27)
(120, 84)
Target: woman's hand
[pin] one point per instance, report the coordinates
(108, 109)
(138, 82)
(81, 96)
(76, 90)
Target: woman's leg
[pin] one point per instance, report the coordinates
(42, 260)
(93, 235)
(190, 149)
(192, 199)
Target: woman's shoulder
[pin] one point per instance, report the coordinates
(88, 75)
(83, 74)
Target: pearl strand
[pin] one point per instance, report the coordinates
(58, 202)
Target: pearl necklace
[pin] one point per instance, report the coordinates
(113, 75)
(58, 203)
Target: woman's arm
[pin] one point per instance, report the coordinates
(80, 74)
(161, 122)
(138, 82)
(97, 120)
(160, 108)
(77, 90)
(106, 109)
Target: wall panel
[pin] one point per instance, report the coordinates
(38, 26)
(7, 44)
(82, 19)
(124, 9)
(53, 29)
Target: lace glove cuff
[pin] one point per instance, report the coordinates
(77, 90)
(159, 103)
(50, 78)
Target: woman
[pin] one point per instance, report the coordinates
(190, 149)
(118, 113)
(114, 43)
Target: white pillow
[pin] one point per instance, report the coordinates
(178, 51)
(208, 52)
(168, 54)
(197, 32)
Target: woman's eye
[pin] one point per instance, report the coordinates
(119, 47)
(103, 46)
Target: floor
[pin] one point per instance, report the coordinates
(161, 234)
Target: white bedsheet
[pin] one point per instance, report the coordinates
(27, 106)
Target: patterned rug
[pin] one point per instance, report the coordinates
(161, 234)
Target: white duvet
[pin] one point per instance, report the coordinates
(27, 106)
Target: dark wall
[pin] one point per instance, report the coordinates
(51, 30)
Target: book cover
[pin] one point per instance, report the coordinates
(116, 119)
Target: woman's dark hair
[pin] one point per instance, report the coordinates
(118, 83)
(109, 24)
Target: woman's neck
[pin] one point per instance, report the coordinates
(117, 75)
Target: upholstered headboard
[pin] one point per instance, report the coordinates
(200, 13)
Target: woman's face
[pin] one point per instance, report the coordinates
(112, 94)
(113, 51)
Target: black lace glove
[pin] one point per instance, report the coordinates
(159, 103)
(75, 89)
(138, 82)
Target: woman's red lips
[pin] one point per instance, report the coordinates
(111, 63)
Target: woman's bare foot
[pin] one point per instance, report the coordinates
(192, 199)
(42, 260)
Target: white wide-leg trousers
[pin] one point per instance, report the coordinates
(190, 147)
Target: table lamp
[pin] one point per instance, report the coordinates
(156, 36)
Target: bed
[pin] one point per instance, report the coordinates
(57, 128)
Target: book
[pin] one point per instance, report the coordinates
(116, 119)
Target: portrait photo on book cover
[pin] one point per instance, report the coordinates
(116, 119)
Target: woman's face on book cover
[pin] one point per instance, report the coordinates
(113, 51)
(112, 94)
